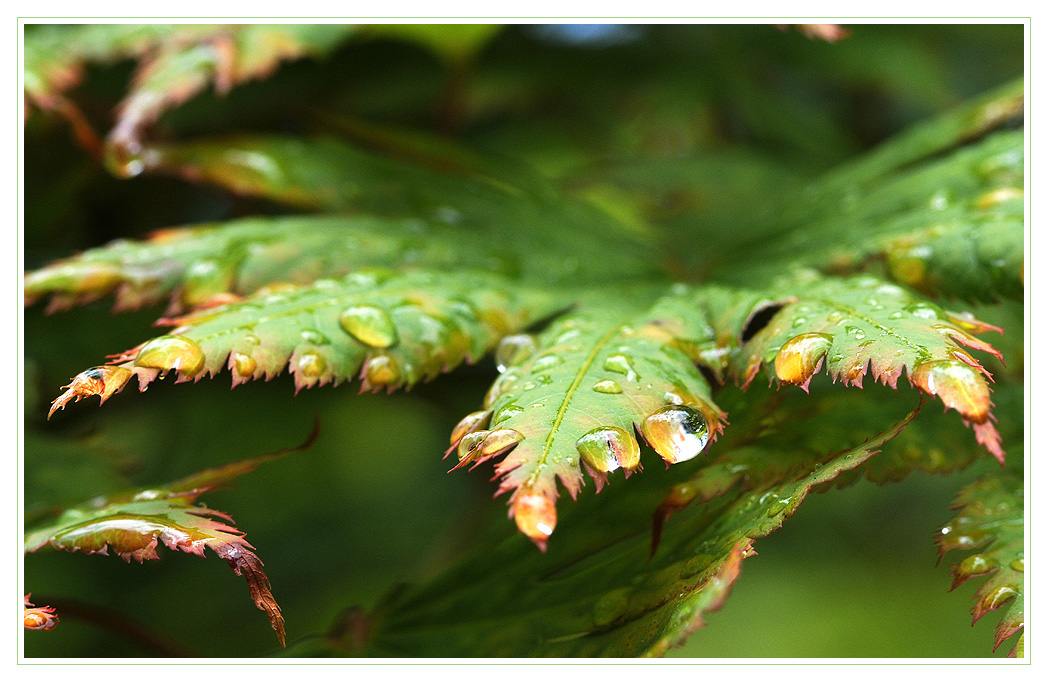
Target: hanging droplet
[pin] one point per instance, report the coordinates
(369, 325)
(311, 365)
(499, 441)
(619, 363)
(535, 516)
(975, 565)
(958, 386)
(470, 423)
(606, 449)
(381, 371)
(469, 444)
(514, 350)
(801, 356)
(243, 364)
(172, 353)
(677, 433)
(608, 386)
(997, 597)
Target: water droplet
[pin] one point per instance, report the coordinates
(472, 422)
(314, 337)
(500, 441)
(800, 357)
(469, 444)
(543, 380)
(975, 565)
(204, 279)
(514, 350)
(535, 516)
(172, 353)
(998, 597)
(606, 449)
(547, 361)
(621, 364)
(566, 336)
(855, 332)
(677, 433)
(608, 386)
(244, 365)
(1017, 564)
(958, 386)
(311, 365)
(926, 311)
(895, 315)
(778, 506)
(369, 325)
(506, 412)
(528, 386)
(381, 371)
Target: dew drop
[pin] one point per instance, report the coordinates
(472, 422)
(1017, 564)
(677, 433)
(311, 365)
(800, 357)
(314, 337)
(370, 325)
(606, 449)
(547, 361)
(975, 565)
(172, 353)
(469, 444)
(608, 386)
(500, 441)
(958, 386)
(535, 516)
(381, 370)
(620, 364)
(244, 365)
(506, 412)
(514, 350)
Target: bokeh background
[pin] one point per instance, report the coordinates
(853, 574)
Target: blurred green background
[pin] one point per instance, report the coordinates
(853, 574)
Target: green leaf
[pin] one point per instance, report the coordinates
(597, 593)
(132, 524)
(392, 329)
(572, 399)
(990, 520)
(863, 322)
(205, 264)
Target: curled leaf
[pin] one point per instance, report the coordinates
(38, 618)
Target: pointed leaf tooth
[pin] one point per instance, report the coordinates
(102, 381)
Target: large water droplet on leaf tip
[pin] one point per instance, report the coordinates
(472, 422)
(957, 384)
(172, 353)
(676, 433)
(800, 357)
(500, 441)
(535, 516)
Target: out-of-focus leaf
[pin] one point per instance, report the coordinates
(392, 329)
(596, 592)
(862, 322)
(572, 399)
(132, 524)
(990, 520)
(202, 264)
(454, 43)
